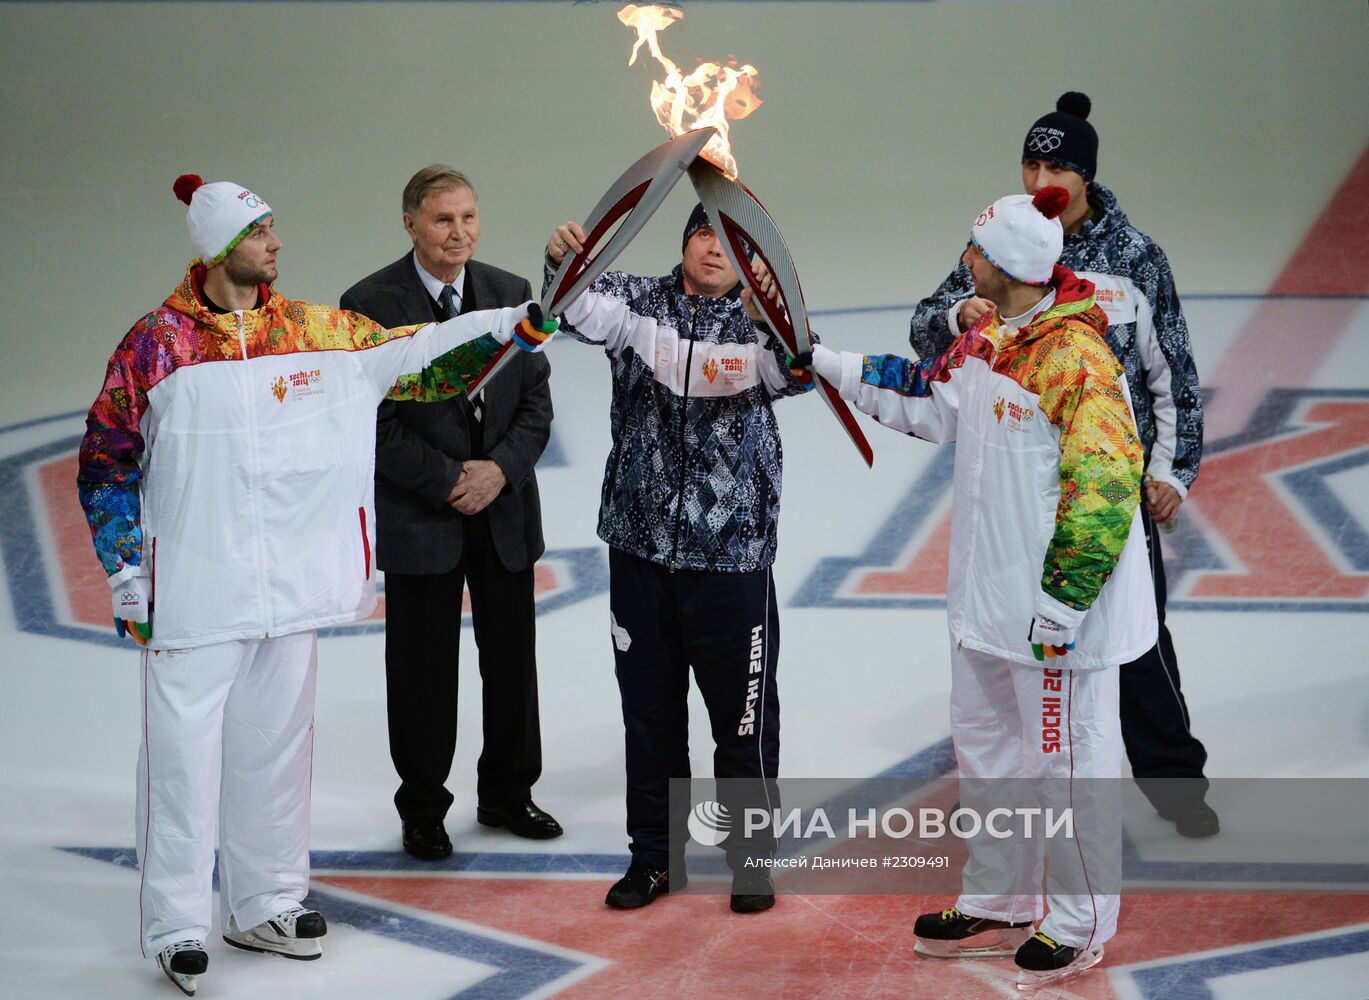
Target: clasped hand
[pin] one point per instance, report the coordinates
(479, 483)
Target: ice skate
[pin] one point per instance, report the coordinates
(952, 934)
(1041, 960)
(183, 962)
(293, 934)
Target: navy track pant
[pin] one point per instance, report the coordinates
(725, 627)
(1155, 721)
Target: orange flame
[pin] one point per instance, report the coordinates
(709, 95)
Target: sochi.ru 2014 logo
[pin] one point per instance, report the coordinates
(709, 823)
(301, 383)
(305, 383)
(1017, 413)
(734, 369)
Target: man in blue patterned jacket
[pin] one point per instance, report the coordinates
(1147, 332)
(689, 509)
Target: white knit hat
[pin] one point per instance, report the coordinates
(1021, 234)
(220, 214)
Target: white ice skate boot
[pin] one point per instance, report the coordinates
(1042, 960)
(293, 933)
(183, 962)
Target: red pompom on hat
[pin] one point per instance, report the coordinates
(186, 185)
(1051, 201)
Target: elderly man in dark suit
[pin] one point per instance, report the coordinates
(457, 506)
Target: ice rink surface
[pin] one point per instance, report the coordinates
(1224, 136)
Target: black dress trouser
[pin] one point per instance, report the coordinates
(1155, 721)
(725, 626)
(422, 640)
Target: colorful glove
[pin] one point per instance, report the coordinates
(533, 333)
(133, 609)
(801, 367)
(1049, 639)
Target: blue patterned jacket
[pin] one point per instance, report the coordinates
(693, 477)
(1146, 331)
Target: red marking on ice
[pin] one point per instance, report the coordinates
(83, 578)
(924, 574)
(1332, 259)
(820, 946)
(1236, 498)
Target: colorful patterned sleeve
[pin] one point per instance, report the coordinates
(915, 378)
(109, 468)
(918, 397)
(1101, 464)
(448, 374)
(428, 379)
(901, 375)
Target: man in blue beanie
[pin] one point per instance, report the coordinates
(690, 510)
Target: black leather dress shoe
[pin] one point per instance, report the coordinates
(428, 841)
(752, 892)
(640, 886)
(522, 819)
(1197, 820)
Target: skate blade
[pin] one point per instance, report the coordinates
(1085, 960)
(302, 950)
(989, 944)
(185, 983)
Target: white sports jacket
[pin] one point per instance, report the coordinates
(230, 457)
(1047, 477)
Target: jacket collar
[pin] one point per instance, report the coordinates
(1107, 218)
(404, 274)
(1073, 297)
(188, 299)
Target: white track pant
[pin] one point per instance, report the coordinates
(232, 722)
(1005, 724)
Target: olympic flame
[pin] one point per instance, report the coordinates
(711, 94)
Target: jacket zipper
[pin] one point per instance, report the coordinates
(976, 518)
(252, 491)
(684, 463)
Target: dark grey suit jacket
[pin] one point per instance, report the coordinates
(420, 447)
